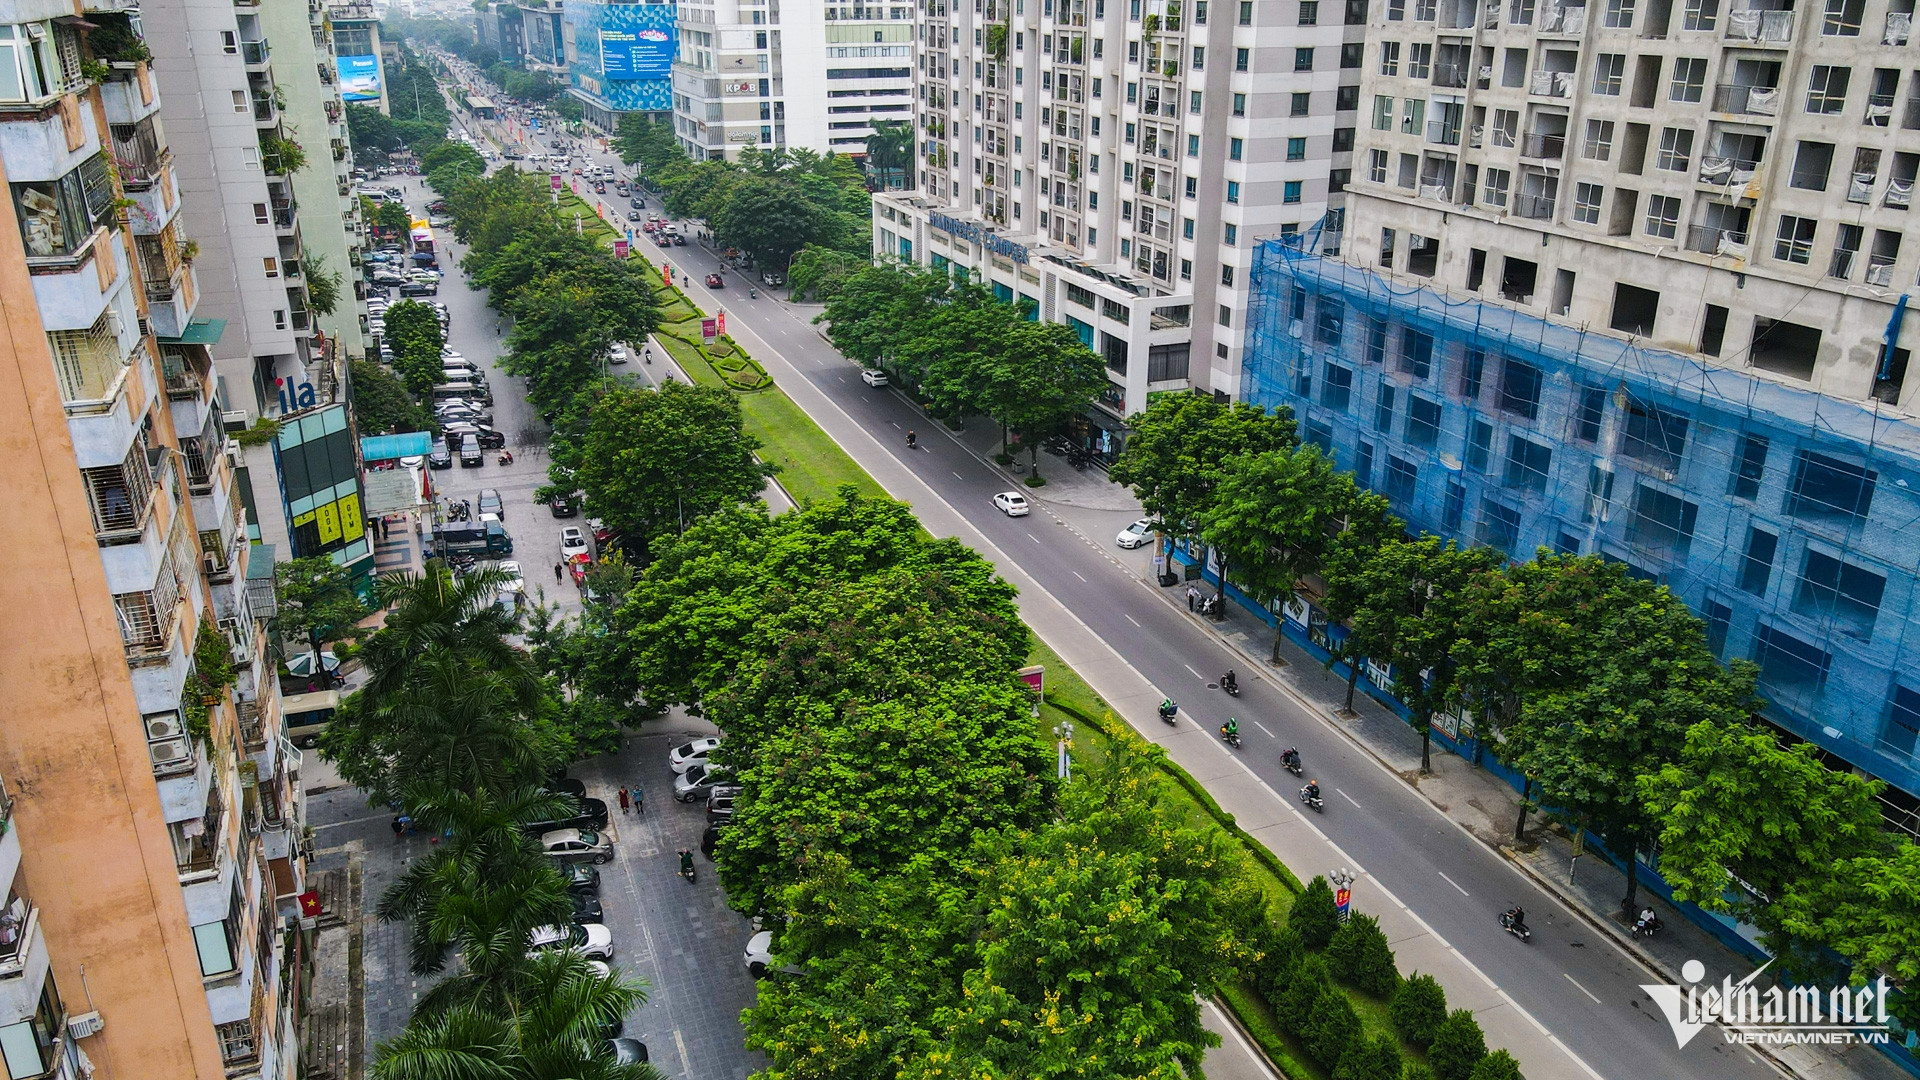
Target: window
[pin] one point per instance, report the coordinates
(1235, 147)
(1812, 162)
(1389, 58)
(1303, 59)
(1413, 116)
(1297, 148)
(1654, 435)
(1231, 233)
(1520, 389)
(1479, 444)
(1676, 150)
(1193, 147)
(1309, 12)
(1494, 188)
(1472, 371)
(1689, 78)
(29, 70)
(215, 943)
(1903, 721)
(1342, 140)
(1528, 464)
(1825, 488)
(1193, 187)
(1608, 70)
(270, 266)
(1751, 468)
(1363, 467)
(1423, 421)
(1420, 60)
(1499, 526)
(1383, 408)
(1593, 409)
(57, 217)
(1377, 166)
(1346, 98)
(1376, 340)
(1199, 58)
(1246, 12)
(1336, 387)
(1827, 89)
(1794, 242)
(1239, 104)
(1302, 103)
(1240, 58)
(1598, 144)
(1849, 595)
(1843, 18)
(1331, 322)
(1193, 102)
(1233, 191)
(1788, 663)
(1416, 352)
(1290, 191)
(1620, 14)
(1586, 203)
(1382, 113)
(1402, 478)
(1662, 523)
(1186, 229)
(1663, 215)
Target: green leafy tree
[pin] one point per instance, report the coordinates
(890, 150)
(1404, 603)
(1311, 981)
(1370, 1057)
(1867, 909)
(880, 308)
(1042, 379)
(1457, 1047)
(1418, 1009)
(1359, 955)
(655, 461)
(1280, 949)
(1177, 453)
(769, 219)
(1313, 915)
(1275, 516)
(414, 332)
(1498, 1065)
(323, 284)
(381, 403)
(317, 604)
(1331, 1028)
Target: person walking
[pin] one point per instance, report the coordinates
(559, 570)
(625, 805)
(639, 807)
(1193, 597)
(399, 830)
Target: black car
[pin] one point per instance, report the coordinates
(439, 457)
(627, 1051)
(711, 837)
(563, 506)
(489, 438)
(720, 803)
(470, 455)
(582, 880)
(490, 503)
(419, 288)
(638, 203)
(586, 909)
(567, 785)
(592, 816)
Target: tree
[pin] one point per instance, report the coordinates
(317, 604)
(1042, 379)
(1331, 1028)
(769, 218)
(654, 461)
(323, 284)
(890, 148)
(1404, 603)
(1275, 516)
(1311, 982)
(1418, 1009)
(381, 403)
(1313, 915)
(1370, 1057)
(1175, 457)
(1498, 1065)
(1867, 909)
(1457, 1047)
(413, 329)
(880, 307)
(1361, 958)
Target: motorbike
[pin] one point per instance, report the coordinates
(1647, 924)
(1515, 926)
(1313, 802)
(1232, 737)
(1170, 712)
(1292, 763)
(686, 866)
(753, 294)
(1208, 605)
(460, 564)
(1231, 686)
(505, 458)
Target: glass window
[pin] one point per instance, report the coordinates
(1389, 58)
(20, 1047)
(1827, 89)
(57, 216)
(28, 70)
(1297, 148)
(216, 951)
(1689, 78)
(1290, 192)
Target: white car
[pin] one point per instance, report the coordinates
(693, 753)
(1011, 503)
(387, 277)
(760, 956)
(514, 589)
(591, 940)
(873, 377)
(617, 354)
(1135, 534)
(573, 542)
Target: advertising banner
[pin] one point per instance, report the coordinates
(708, 330)
(643, 53)
(359, 78)
(619, 249)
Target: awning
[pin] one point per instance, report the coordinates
(199, 332)
(388, 447)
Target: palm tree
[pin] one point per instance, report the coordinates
(891, 147)
(551, 1026)
(437, 610)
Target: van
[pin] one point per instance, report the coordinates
(462, 371)
(308, 715)
(461, 390)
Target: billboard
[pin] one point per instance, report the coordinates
(359, 78)
(642, 53)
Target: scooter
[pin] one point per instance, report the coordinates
(753, 294)
(1230, 685)
(1515, 927)
(506, 457)
(1232, 737)
(686, 866)
(1292, 762)
(1646, 925)
(1313, 801)
(1170, 712)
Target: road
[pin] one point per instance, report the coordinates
(1572, 979)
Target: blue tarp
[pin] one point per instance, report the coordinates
(387, 447)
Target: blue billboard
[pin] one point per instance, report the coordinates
(646, 53)
(359, 78)
(620, 55)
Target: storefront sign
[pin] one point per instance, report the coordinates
(979, 235)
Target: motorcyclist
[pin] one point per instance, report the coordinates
(1516, 916)
(1312, 790)
(911, 439)
(686, 863)
(1229, 681)
(1290, 757)
(1232, 729)
(1167, 707)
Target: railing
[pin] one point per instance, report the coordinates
(252, 729)
(1453, 76)
(16, 932)
(1537, 207)
(183, 383)
(1713, 240)
(255, 52)
(138, 155)
(1746, 100)
(1551, 84)
(1539, 144)
(1726, 171)
(1439, 131)
(203, 851)
(89, 367)
(263, 108)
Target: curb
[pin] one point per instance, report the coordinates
(1221, 1006)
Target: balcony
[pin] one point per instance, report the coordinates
(1540, 144)
(1714, 240)
(1766, 29)
(19, 922)
(1554, 84)
(1452, 76)
(1443, 133)
(90, 367)
(149, 620)
(264, 110)
(256, 53)
(284, 219)
(1727, 171)
(1569, 21)
(1536, 207)
(1746, 100)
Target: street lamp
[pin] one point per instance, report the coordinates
(1063, 732)
(1342, 880)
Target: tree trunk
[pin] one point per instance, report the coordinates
(1220, 593)
(1426, 744)
(1033, 458)
(1005, 439)
(1279, 632)
(1633, 874)
(1353, 681)
(1520, 827)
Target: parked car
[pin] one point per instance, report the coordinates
(593, 941)
(420, 288)
(568, 785)
(1135, 534)
(586, 909)
(692, 753)
(439, 457)
(697, 781)
(470, 455)
(591, 818)
(720, 803)
(490, 502)
(582, 880)
(576, 845)
(513, 592)
(773, 280)
(873, 377)
(563, 506)
(573, 542)
(388, 278)
(627, 1051)
(488, 438)
(1011, 503)
(760, 956)
(711, 836)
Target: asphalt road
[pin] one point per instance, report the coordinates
(1575, 981)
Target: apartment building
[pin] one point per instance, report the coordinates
(1114, 161)
(358, 51)
(1630, 279)
(804, 76)
(150, 846)
(238, 151)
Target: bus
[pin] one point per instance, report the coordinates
(308, 715)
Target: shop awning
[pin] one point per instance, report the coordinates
(388, 447)
(199, 332)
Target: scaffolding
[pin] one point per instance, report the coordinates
(1787, 519)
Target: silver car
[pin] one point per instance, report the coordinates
(577, 845)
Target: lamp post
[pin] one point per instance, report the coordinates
(1063, 732)
(1342, 880)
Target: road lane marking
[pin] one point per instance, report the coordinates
(1356, 806)
(1196, 674)
(1577, 986)
(1130, 618)
(957, 476)
(1455, 884)
(1033, 538)
(1263, 727)
(1076, 573)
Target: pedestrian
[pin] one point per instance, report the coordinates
(558, 570)
(398, 829)
(1193, 597)
(624, 804)
(638, 806)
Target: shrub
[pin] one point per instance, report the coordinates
(1361, 958)
(1457, 1047)
(1331, 1028)
(1308, 983)
(1498, 1065)
(1416, 1071)
(1419, 1008)
(1275, 969)
(1370, 1057)
(1313, 915)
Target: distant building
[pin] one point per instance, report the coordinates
(619, 58)
(358, 54)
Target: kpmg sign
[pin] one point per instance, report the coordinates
(967, 230)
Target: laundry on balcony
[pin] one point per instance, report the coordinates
(1899, 25)
(1764, 101)
(1899, 194)
(1715, 170)
(1860, 188)
(1731, 247)
(1743, 24)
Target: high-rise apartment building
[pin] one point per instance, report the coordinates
(238, 152)
(358, 51)
(1114, 161)
(802, 76)
(150, 854)
(1628, 277)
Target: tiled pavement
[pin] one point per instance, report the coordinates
(681, 940)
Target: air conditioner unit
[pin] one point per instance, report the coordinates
(209, 563)
(164, 726)
(234, 456)
(234, 420)
(168, 751)
(85, 1024)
